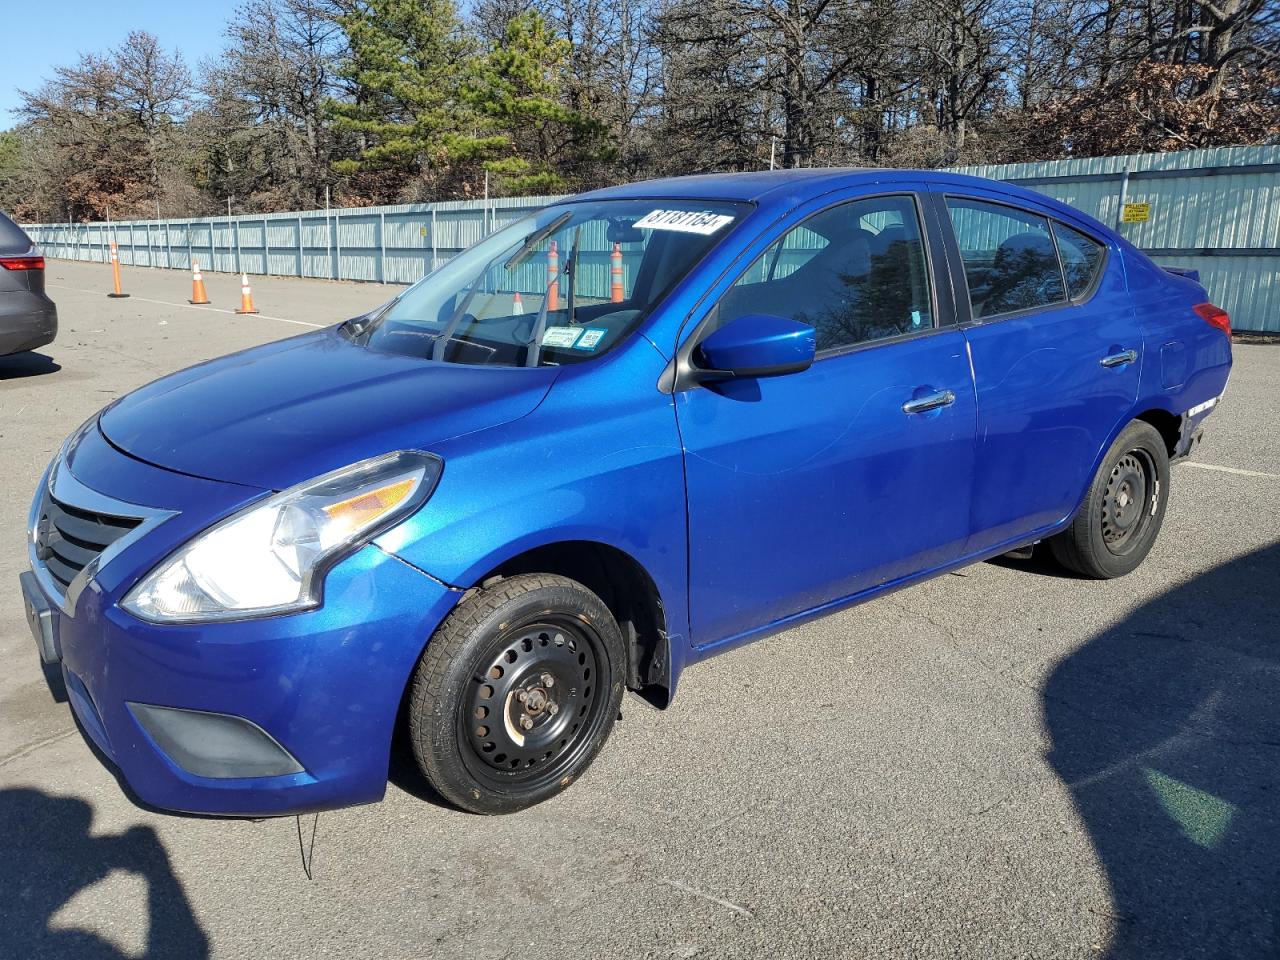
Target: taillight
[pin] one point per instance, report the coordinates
(22, 263)
(1214, 316)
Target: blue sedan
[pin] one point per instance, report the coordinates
(633, 430)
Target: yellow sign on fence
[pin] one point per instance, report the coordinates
(1135, 213)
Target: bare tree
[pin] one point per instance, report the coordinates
(95, 121)
(264, 126)
(153, 89)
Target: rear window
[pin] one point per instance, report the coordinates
(12, 239)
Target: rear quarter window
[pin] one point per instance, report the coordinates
(1082, 258)
(12, 238)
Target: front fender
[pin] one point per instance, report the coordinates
(576, 469)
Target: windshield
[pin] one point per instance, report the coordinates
(564, 285)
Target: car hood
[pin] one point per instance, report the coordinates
(282, 413)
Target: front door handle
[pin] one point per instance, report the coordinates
(930, 401)
(1119, 359)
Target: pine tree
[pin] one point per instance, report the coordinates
(409, 64)
(519, 90)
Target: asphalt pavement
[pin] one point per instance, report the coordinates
(1002, 762)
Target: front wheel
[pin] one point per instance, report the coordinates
(1121, 516)
(516, 693)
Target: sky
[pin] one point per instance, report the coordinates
(55, 33)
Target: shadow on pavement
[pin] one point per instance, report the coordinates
(49, 856)
(1166, 729)
(18, 365)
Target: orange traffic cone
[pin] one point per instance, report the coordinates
(615, 274)
(115, 274)
(246, 296)
(553, 278)
(517, 305)
(197, 285)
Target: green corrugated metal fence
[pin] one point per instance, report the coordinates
(1216, 211)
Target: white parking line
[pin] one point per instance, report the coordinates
(192, 306)
(706, 896)
(1235, 470)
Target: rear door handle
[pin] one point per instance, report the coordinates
(1119, 359)
(930, 401)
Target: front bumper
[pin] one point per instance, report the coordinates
(324, 686)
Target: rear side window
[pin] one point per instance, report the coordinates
(12, 239)
(1010, 263)
(856, 272)
(1081, 259)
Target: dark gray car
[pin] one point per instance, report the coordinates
(28, 318)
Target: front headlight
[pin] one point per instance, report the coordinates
(271, 557)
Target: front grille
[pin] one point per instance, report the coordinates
(69, 538)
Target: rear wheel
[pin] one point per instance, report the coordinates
(1118, 523)
(516, 693)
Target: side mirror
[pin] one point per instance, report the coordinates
(756, 345)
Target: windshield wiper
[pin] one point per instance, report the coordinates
(540, 326)
(357, 327)
(571, 271)
(442, 341)
(534, 356)
(536, 238)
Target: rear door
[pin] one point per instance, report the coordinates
(1055, 350)
(807, 488)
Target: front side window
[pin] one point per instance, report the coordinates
(856, 273)
(1010, 262)
(564, 285)
(1081, 259)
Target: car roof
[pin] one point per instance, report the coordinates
(758, 185)
(790, 187)
(754, 185)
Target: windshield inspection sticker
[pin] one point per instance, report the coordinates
(684, 221)
(591, 338)
(560, 336)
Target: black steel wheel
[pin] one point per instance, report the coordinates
(516, 693)
(1121, 516)
(532, 709)
(1129, 501)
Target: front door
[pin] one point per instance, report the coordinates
(808, 488)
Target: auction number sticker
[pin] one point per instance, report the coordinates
(684, 221)
(560, 336)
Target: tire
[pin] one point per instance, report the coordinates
(1121, 516)
(483, 677)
